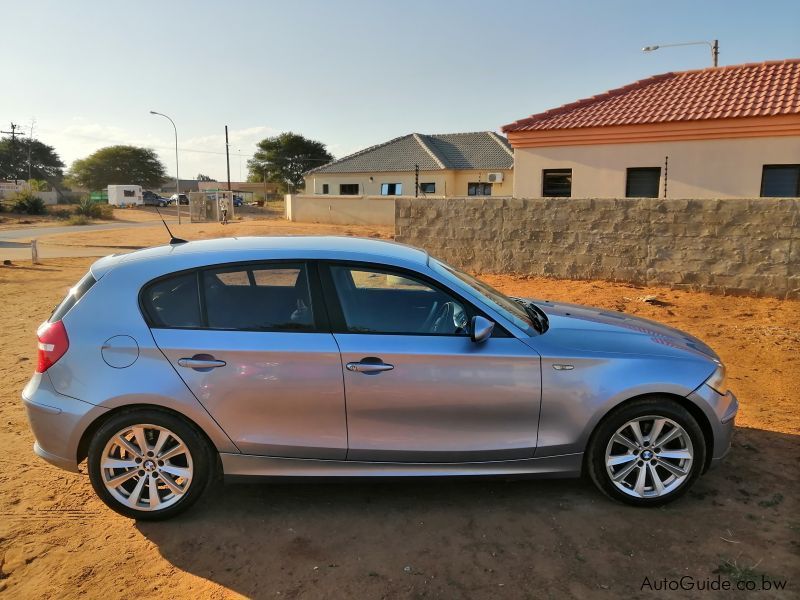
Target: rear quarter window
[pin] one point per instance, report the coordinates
(173, 302)
(72, 297)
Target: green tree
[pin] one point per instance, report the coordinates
(204, 177)
(118, 165)
(285, 158)
(44, 161)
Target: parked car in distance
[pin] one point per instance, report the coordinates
(174, 198)
(237, 201)
(153, 199)
(347, 357)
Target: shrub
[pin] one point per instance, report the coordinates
(89, 209)
(61, 215)
(26, 202)
(79, 220)
(106, 211)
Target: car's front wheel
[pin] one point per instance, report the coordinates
(148, 464)
(647, 453)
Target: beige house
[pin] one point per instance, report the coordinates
(723, 132)
(444, 165)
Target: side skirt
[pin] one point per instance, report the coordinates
(247, 466)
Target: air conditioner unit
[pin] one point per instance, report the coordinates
(495, 178)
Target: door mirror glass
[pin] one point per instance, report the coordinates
(481, 329)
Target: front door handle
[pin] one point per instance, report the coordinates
(365, 367)
(203, 361)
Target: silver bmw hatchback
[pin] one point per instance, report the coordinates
(344, 357)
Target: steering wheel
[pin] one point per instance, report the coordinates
(449, 319)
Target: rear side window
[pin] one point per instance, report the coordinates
(72, 297)
(173, 302)
(258, 298)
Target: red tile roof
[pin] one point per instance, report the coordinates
(749, 90)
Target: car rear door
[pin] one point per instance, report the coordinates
(417, 388)
(252, 343)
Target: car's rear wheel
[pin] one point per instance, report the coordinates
(149, 464)
(647, 453)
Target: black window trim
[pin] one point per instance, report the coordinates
(336, 315)
(764, 169)
(396, 184)
(642, 170)
(357, 187)
(321, 319)
(482, 185)
(563, 171)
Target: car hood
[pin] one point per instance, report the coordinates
(591, 329)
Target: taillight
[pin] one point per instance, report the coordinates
(53, 343)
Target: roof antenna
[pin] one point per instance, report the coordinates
(173, 240)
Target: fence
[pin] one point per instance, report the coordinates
(341, 210)
(741, 246)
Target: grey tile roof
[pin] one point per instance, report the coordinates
(483, 150)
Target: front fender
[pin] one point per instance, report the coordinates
(575, 400)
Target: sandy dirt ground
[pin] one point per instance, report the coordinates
(420, 539)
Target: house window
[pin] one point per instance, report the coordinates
(325, 188)
(642, 182)
(348, 189)
(427, 188)
(557, 183)
(479, 189)
(780, 181)
(391, 189)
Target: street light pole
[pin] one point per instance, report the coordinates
(177, 175)
(713, 44)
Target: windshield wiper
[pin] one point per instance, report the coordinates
(535, 314)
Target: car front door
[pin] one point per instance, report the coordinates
(418, 389)
(251, 343)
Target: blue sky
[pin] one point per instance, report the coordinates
(350, 73)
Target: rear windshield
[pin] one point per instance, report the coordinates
(72, 297)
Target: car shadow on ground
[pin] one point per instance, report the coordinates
(488, 537)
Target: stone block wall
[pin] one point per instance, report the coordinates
(735, 246)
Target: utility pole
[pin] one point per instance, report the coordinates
(416, 181)
(13, 133)
(228, 158)
(30, 148)
(715, 52)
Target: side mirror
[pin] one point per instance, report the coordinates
(481, 329)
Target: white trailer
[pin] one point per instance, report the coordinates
(125, 195)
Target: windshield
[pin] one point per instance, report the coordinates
(513, 311)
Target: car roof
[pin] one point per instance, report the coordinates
(244, 248)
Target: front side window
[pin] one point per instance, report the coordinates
(642, 182)
(427, 188)
(780, 181)
(384, 302)
(557, 183)
(479, 189)
(325, 188)
(258, 298)
(513, 311)
(391, 189)
(348, 189)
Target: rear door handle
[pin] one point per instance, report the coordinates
(201, 363)
(361, 367)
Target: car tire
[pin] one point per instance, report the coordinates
(176, 466)
(627, 462)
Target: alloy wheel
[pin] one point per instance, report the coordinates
(146, 467)
(649, 457)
